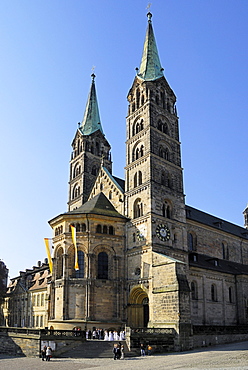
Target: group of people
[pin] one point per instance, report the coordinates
(143, 350)
(46, 353)
(118, 351)
(105, 334)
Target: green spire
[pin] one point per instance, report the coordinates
(91, 121)
(150, 67)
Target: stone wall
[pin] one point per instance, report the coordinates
(19, 345)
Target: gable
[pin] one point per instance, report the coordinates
(111, 188)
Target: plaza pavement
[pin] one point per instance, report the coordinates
(222, 357)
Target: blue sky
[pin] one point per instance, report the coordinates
(48, 49)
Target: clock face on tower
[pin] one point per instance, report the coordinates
(163, 233)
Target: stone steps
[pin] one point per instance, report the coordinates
(94, 349)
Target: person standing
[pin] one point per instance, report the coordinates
(116, 352)
(122, 352)
(142, 350)
(48, 353)
(43, 353)
(149, 350)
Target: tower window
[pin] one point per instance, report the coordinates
(164, 153)
(76, 191)
(94, 170)
(138, 208)
(230, 294)
(105, 229)
(166, 211)
(102, 266)
(97, 148)
(111, 230)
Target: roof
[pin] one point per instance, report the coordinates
(121, 182)
(212, 263)
(91, 121)
(117, 181)
(215, 222)
(150, 67)
(99, 205)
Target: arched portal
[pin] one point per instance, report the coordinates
(138, 308)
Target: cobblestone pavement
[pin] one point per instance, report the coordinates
(230, 356)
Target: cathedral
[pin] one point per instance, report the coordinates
(145, 259)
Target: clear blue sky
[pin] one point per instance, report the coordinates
(47, 51)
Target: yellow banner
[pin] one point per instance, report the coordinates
(48, 244)
(73, 235)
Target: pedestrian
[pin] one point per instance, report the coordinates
(122, 352)
(48, 353)
(43, 353)
(142, 350)
(115, 351)
(149, 350)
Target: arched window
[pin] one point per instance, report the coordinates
(76, 191)
(135, 180)
(105, 229)
(141, 150)
(80, 273)
(213, 293)
(192, 242)
(138, 208)
(78, 227)
(137, 98)
(83, 227)
(139, 178)
(71, 261)
(77, 170)
(99, 229)
(194, 290)
(225, 251)
(110, 195)
(111, 230)
(166, 210)
(102, 266)
(137, 153)
(142, 99)
(59, 264)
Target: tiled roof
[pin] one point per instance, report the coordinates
(215, 222)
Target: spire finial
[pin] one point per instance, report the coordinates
(149, 14)
(93, 74)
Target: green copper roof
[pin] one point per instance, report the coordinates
(150, 67)
(91, 121)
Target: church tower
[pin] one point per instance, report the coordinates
(156, 233)
(154, 180)
(90, 150)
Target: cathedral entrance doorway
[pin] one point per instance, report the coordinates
(138, 308)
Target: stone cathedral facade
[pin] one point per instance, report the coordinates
(146, 259)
